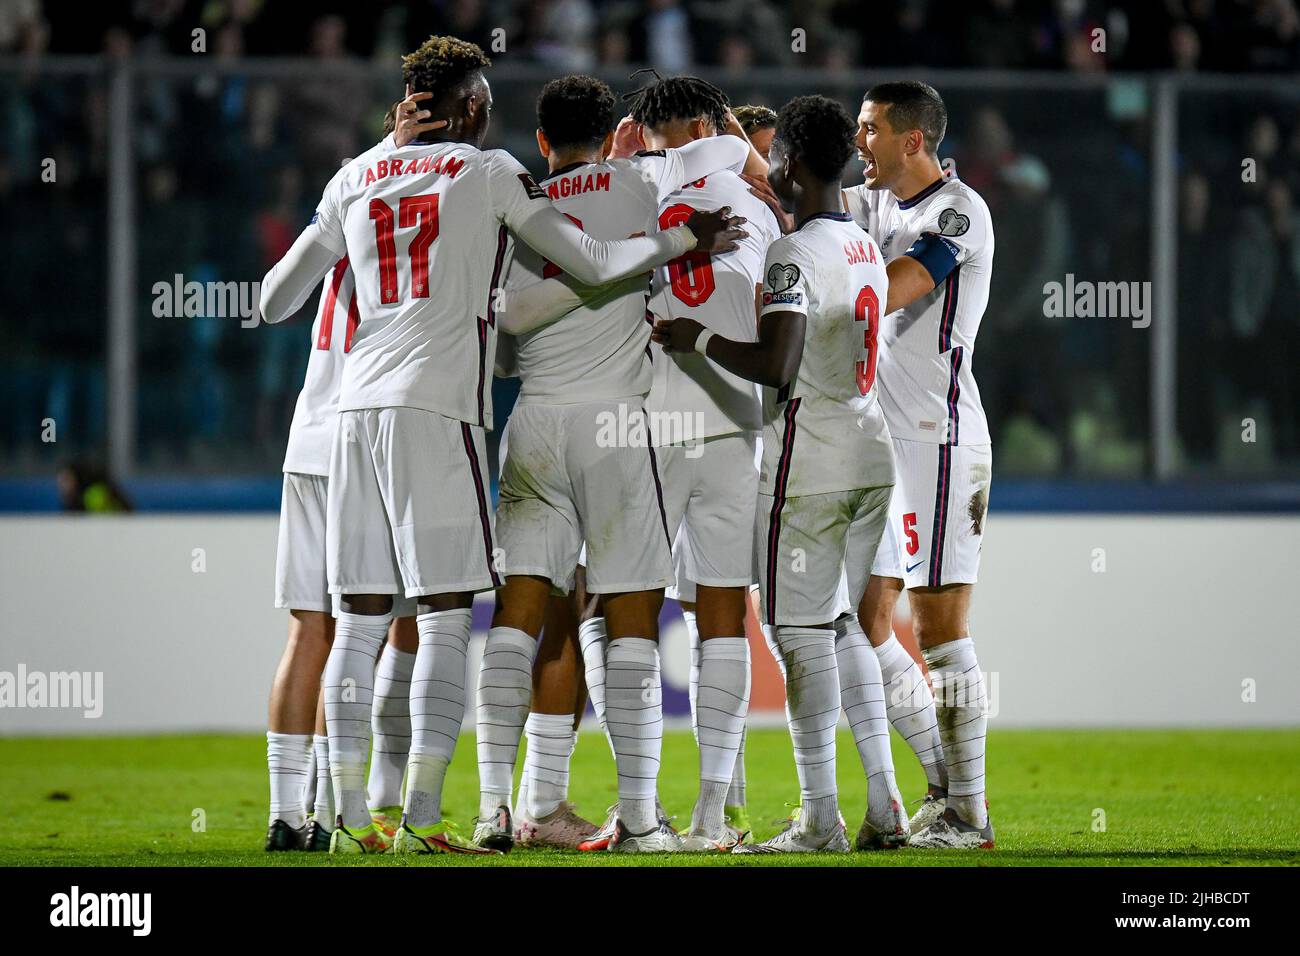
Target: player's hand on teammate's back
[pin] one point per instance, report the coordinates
(411, 119)
(677, 335)
(759, 186)
(716, 231)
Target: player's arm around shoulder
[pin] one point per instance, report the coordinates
(774, 359)
(956, 231)
(318, 247)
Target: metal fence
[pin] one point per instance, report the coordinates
(1165, 198)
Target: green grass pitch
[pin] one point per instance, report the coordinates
(1207, 797)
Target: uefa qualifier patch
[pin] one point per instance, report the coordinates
(781, 277)
(953, 223)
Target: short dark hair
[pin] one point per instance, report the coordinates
(576, 110)
(913, 105)
(441, 64)
(679, 98)
(819, 133)
(754, 118)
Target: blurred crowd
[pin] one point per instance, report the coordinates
(675, 35)
(229, 166)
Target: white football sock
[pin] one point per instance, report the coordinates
(634, 711)
(772, 646)
(722, 705)
(437, 710)
(736, 792)
(525, 784)
(288, 758)
(505, 689)
(309, 787)
(910, 706)
(323, 810)
(693, 675)
(862, 695)
(959, 705)
(594, 644)
(550, 744)
(813, 705)
(349, 692)
(391, 726)
(425, 775)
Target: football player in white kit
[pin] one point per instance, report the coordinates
(936, 235)
(827, 468)
(576, 468)
(302, 589)
(427, 229)
(708, 421)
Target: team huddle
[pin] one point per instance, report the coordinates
(739, 382)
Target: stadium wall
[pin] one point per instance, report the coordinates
(1097, 620)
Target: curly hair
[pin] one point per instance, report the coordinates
(819, 133)
(576, 110)
(754, 118)
(441, 64)
(678, 98)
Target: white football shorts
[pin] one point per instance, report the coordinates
(569, 477)
(937, 517)
(300, 582)
(807, 546)
(710, 488)
(409, 507)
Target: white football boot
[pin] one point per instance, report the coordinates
(496, 832)
(951, 832)
(885, 829)
(662, 839)
(794, 839)
(932, 807)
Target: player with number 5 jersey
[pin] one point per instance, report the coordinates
(937, 236)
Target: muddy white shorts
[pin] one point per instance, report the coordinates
(569, 477)
(806, 547)
(937, 516)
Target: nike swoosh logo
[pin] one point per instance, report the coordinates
(913, 567)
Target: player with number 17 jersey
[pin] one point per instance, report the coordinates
(427, 230)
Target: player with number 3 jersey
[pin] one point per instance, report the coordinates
(827, 461)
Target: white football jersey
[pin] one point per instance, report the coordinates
(719, 293)
(600, 352)
(927, 350)
(824, 430)
(425, 229)
(315, 416)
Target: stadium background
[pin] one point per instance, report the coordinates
(1141, 548)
